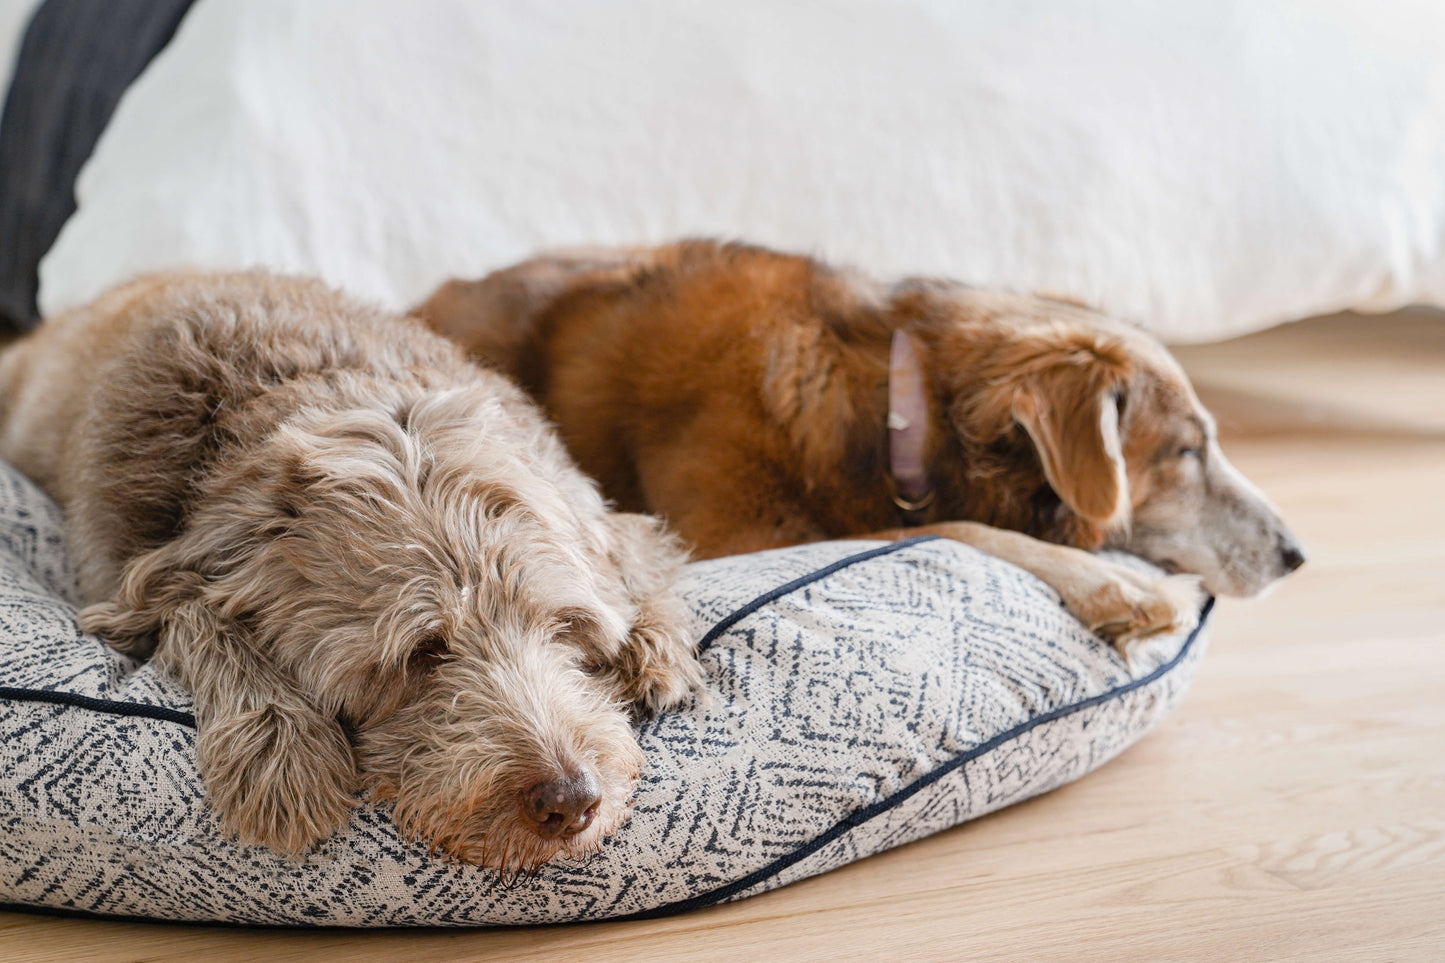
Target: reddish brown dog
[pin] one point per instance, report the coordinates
(746, 395)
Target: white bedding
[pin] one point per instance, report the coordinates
(1204, 167)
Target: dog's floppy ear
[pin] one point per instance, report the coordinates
(277, 768)
(1063, 388)
(1068, 400)
(278, 771)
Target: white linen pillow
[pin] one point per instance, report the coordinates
(860, 696)
(1204, 167)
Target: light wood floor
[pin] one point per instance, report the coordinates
(1292, 809)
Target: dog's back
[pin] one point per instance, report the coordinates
(180, 366)
(46, 378)
(743, 392)
(682, 369)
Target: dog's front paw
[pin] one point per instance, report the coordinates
(660, 671)
(657, 666)
(1126, 607)
(278, 778)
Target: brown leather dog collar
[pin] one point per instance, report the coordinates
(907, 431)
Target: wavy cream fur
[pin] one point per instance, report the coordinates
(372, 561)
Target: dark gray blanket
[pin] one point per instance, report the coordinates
(76, 59)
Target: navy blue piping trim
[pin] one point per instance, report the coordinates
(776, 593)
(186, 719)
(99, 705)
(856, 819)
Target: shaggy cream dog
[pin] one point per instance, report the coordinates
(372, 562)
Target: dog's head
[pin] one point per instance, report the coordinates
(445, 606)
(1106, 417)
(430, 600)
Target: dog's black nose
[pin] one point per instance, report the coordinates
(563, 807)
(1291, 555)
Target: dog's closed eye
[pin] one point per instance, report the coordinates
(430, 651)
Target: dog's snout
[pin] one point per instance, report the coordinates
(1291, 554)
(558, 808)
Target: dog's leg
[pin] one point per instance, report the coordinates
(277, 771)
(1115, 602)
(656, 666)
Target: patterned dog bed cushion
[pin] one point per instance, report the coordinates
(861, 696)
